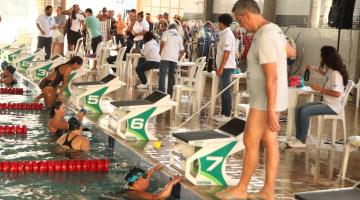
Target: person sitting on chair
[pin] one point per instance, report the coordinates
(151, 52)
(73, 139)
(336, 78)
(139, 181)
(60, 74)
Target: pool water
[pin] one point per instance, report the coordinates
(38, 144)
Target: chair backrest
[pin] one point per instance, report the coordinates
(200, 60)
(348, 89)
(120, 55)
(106, 53)
(199, 75)
(79, 43)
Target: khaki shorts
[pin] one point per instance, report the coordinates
(58, 39)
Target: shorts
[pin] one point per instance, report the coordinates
(94, 42)
(73, 37)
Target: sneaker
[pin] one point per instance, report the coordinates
(142, 86)
(223, 118)
(297, 144)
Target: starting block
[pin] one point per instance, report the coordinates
(130, 118)
(38, 69)
(73, 76)
(91, 93)
(11, 53)
(202, 155)
(23, 60)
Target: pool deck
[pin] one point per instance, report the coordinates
(299, 170)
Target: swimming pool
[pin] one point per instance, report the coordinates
(38, 144)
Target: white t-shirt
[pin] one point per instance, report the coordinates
(268, 46)
(173, 45)
(76, 24)
(151, 51)
(46, 23)
(334, 82)
(140, 27)
(226, 43)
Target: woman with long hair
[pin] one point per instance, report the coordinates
(336, 78)
(151, 52)
(60, 74)
(57, 124)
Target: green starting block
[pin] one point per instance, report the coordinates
(39, 69)
(90, 95)
(130, 119)
(202, 155)
(23, 60)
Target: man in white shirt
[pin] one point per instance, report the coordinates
(45, 23)
(225, 63)
(141, 26)
(171, 49)
(267, 86)
(75, 22)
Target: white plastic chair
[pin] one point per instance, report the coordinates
(239, 106)
(118, 62)
(334, 118)
(78, 51)
(193, 86)
(357, 87)
(353, 144)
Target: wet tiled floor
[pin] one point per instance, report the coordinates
(299, 170)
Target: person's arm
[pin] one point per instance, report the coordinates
(59, 125)
(224, 59)
(85, 144)
(64, 82)
(162, 44)
(154, 169)
(40, 29)
(271, 89)
(315, 69)
(165, 193)
(317, 87)
(80, 116)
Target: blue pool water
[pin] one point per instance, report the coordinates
(38, 144)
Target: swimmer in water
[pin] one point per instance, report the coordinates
(139, 182)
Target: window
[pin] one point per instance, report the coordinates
(155, 7)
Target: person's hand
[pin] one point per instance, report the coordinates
(316, 86)
(273, 121)
(61, 97)
(219, 72)
(176, 179)
(309, 67)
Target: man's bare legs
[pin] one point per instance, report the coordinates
(255, 132)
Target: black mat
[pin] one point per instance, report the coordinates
(155, 96)
(130, 103)
(337, 194)
(234, 127)
(104, 80)
(199, 135)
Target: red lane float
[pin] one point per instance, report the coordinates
(22, 106)
(55, 166)
(18, 91)
(13, 129)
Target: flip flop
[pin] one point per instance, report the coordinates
(227, 196)
(255, 196)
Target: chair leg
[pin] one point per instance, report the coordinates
(320, 129)
(345, 161)
(150, 79)
(333, 132)
(358, 96)
(236, 106)
(177, 100)
(344, 129)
